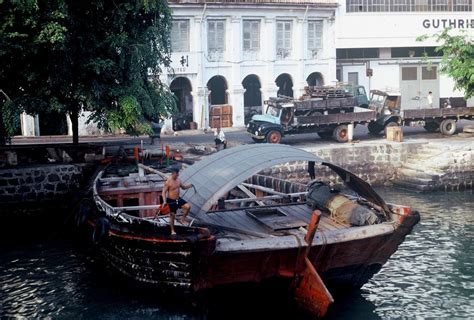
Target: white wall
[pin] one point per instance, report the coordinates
(235, 65)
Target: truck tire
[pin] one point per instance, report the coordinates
(273, 136)
(341, 133)
(374, 128)
(325, 134)
(390, 124)
(431, 126)
(448, 127)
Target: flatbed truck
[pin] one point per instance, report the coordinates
(387, 105)
(326, 111)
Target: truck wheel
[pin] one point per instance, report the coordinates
(325, 134)
(390, 124)
(374, 128)
(341, 134)
(431, 126)
(273, 137)
(448, 127)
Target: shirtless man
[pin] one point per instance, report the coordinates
(171, 196)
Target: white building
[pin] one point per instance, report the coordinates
(242, 52)
(378, 38)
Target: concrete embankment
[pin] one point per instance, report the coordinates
(423, 165)
(419, 164)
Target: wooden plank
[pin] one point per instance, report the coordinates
(250, 194)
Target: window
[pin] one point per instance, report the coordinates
(215, 38)
(315, 35)
(428, 73)
(400, 5)
(283, 41)
(409, 73)
(462, 5)
(358, 53)
(180, 36)
(440, 5)
(405, 52)
(421, 5)
(353, 78)
(356, 5)
(377, 5)
(251, 35)
(408, 5)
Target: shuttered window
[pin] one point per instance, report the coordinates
(216, 36)
(251, 35)
(315, 35)
(180, 36)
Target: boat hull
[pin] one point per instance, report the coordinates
(346, 264)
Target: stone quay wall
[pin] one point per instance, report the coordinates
(439, 166)
(39, 183)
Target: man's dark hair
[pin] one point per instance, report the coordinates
(174, 169)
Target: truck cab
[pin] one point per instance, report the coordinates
(387, 106)
(359, 93)
(270, 126)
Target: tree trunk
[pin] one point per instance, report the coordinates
(3, 132)
(74, 114)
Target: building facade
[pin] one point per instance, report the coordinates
(377, 47)
(239, 53)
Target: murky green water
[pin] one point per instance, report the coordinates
(430, 276)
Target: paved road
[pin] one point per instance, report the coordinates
(234, 136)
(360, 133)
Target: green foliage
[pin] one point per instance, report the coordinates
(458, 58)
(105, 57)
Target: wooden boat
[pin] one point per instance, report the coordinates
(313, 236)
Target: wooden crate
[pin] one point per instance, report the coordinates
(226, 109)
(394, 134)
(216, 110)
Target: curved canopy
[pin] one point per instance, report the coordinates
(217, 174)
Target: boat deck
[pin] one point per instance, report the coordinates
(240, 224)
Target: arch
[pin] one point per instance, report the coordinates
(315, 79)
(252, 96)
(285, 85)
(217, 85)
(182, 88)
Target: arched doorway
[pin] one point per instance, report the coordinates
(220, 113)
(181, 88)
(252, 97)
(315, 79)
(217, 85)
(285, 85)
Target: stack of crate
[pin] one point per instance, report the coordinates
(325, 92)
(221, 116)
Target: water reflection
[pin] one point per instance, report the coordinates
(430, 276)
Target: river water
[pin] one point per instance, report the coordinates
(430, 276)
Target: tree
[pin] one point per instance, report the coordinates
(100, 56)
(458, 58)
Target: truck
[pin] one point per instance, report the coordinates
(326, 111)
(387, 105)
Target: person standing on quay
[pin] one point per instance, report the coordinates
(430, 99)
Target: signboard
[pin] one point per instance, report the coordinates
(184, 62)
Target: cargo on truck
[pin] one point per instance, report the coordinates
(327, 111)
(390, 112)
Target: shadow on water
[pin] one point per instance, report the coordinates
(45, 272)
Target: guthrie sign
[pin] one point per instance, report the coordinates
(448, 23)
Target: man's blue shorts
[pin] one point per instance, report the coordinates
(175, 204)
